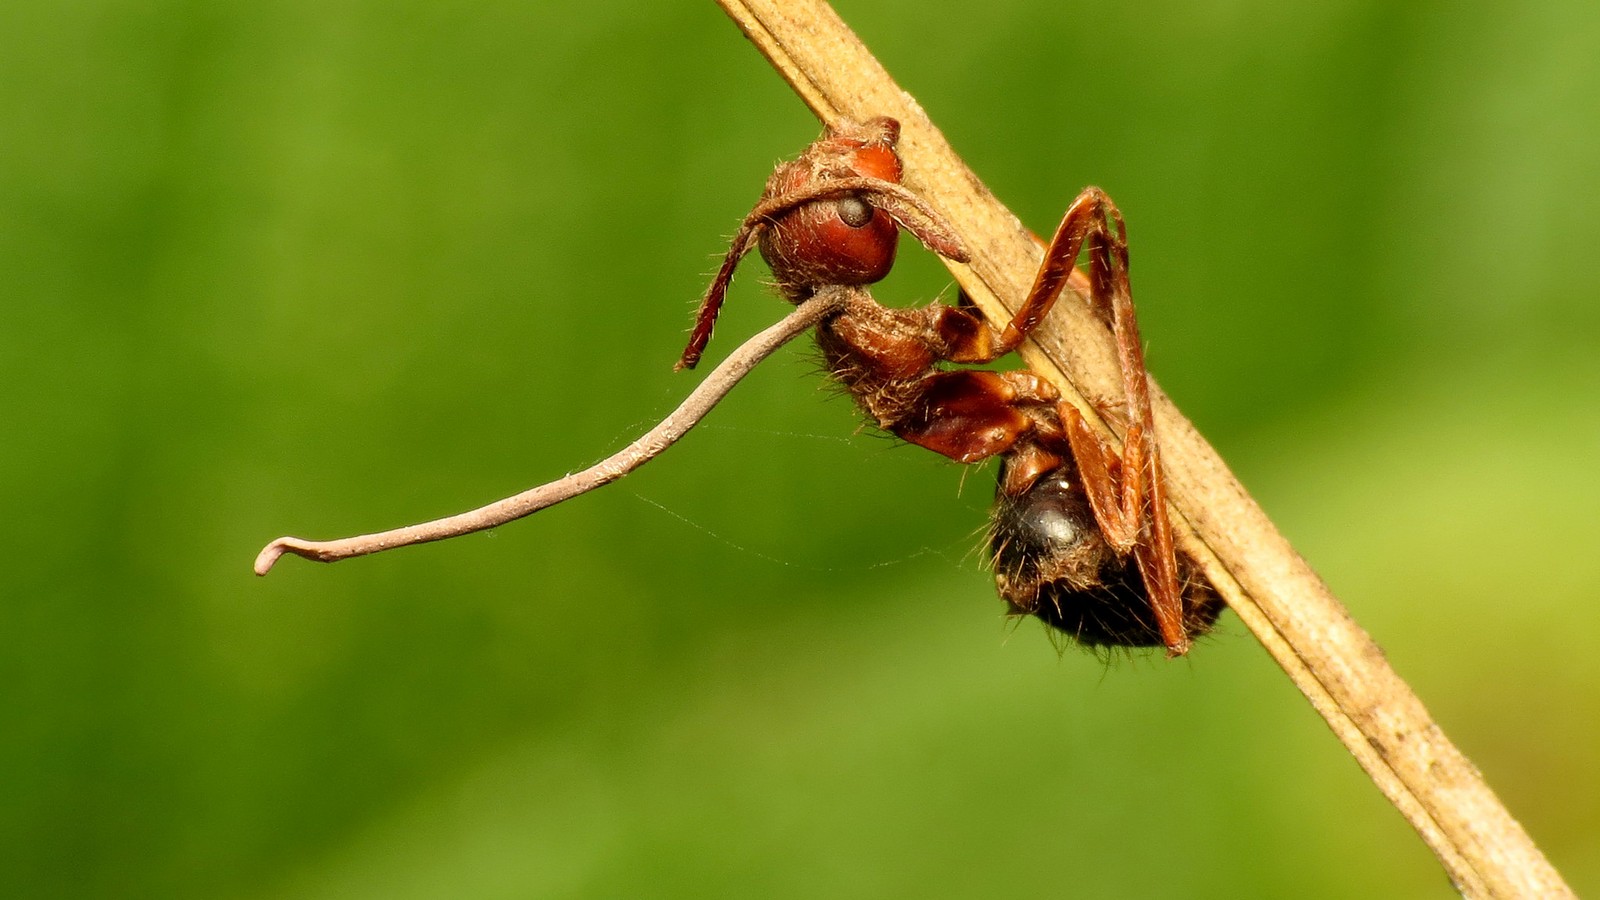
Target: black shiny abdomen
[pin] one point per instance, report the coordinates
(1051, 561)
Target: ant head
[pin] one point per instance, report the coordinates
(814, 238)
(830, 217)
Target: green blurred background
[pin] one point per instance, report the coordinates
(321, 268)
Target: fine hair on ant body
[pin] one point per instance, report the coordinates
(1080, 535)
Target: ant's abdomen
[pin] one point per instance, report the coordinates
(1052, 562)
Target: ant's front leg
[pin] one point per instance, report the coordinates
(1092, 222)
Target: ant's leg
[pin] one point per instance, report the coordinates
(1140, 510)
(1119, 489)
(1156, 554)
(1111, 481)
(1086, 220)
(1127, 492)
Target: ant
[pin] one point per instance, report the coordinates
(1080, 535)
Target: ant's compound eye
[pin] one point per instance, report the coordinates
(854, 211)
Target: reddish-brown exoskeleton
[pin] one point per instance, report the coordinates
(1080, 534)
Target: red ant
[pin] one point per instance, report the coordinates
(1080, 535)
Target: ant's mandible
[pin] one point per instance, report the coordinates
(1080, 536)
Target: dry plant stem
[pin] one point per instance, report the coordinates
(1334, 663)
(711, 391)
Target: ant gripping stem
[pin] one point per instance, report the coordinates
(1081, 537)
